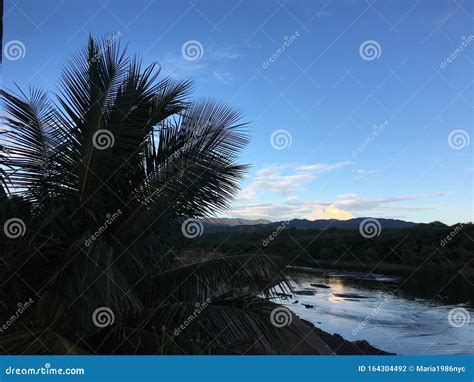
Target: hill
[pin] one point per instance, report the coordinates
(232, 222)
(245, 225)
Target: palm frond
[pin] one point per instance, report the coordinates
(212, 278)
(191, 170)
(32, 143)
(38, 342)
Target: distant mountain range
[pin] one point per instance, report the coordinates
(230, 222)
(215, 225)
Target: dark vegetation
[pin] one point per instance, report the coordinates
(243, 225)
(411, 247)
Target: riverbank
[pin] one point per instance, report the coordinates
(340, 346)
(298, 336)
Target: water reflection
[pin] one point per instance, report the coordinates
(426, 284)
(395, 314)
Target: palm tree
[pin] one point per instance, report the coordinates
(94, 189)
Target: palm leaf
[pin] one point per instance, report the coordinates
(171, 159)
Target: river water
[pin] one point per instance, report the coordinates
(379, 310)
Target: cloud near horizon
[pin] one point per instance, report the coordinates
(277, 192)
(347, 206)
(331, 212)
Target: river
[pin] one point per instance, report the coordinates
(379, 309)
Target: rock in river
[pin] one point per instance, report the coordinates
(320, 286)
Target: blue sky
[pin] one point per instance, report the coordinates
(356, 108)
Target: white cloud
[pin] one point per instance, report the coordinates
(346, 196)
(209, 65)
(322, 167)
(247, 194)
(286, 179)
(365, 172)
(263, 209)
(180, 68)
(331, 212)
(381, 205)
(223, 76)
(225, 53)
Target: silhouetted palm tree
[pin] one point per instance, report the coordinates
(98, 184)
